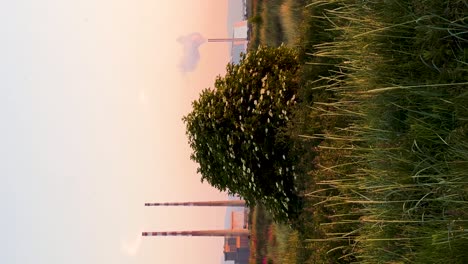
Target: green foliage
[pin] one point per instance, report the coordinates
(257, 19)
(236, 130)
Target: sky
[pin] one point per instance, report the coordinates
(91, 99)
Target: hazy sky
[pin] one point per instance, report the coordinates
(91, 101)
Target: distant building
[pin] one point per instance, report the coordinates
(237, 248)
(239, 255)
(239, 46)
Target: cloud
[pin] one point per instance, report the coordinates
(131, 247)
(191, 54)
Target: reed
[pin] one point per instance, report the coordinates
(393, 169)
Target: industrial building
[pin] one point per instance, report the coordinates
(237, 248)
(239, 40)
(240, 33)
(236, 238)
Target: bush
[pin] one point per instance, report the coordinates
(236, 130)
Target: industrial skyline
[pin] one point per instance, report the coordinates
(236, 239)
(221, 232)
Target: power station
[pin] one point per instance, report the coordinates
(236, 239)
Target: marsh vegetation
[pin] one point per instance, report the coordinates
(383, 108)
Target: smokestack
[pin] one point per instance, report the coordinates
(222, 233)
(233, 203)
(226, 39)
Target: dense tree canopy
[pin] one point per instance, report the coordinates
(235, 130)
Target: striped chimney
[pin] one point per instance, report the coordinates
(222, 233)
(234, 203)
(226, 39)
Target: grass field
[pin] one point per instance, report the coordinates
(385, 99)
(275, 22)
(273, 242)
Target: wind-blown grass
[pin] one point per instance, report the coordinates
(276, 22)
(385, 112)
(393, 169)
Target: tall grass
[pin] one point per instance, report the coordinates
(270, 32)
(278, 24)
(393, 168)
(274, 242)
(385, 105)
(290, 15)
(284, 245)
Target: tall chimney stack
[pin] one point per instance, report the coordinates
(226, 39)
(233, 203)
(222, 233)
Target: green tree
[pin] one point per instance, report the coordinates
(236, 129)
